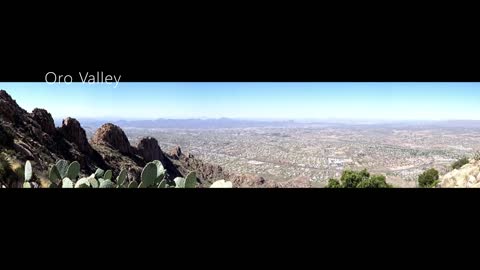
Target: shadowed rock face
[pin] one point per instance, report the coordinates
(73, 132)
(8, 107)
(112, 136)
(33, 136)
(45, 120)
(149, 149)
(6, 139)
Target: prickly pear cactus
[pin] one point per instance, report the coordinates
(160, 172)
(179, 182)
(82, 183)
(149, 175)
(163, 184)
(93, 182)
(222, 184)
(108, 175)
(54, 175)
(191, 180)
(62, 166)
(122, 176)
(133, 184)
(73, 170)
(107, 184)
(67, 183)
(28, 171)
(99, 173)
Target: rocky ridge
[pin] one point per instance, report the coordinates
(468, 176)
(33, 136)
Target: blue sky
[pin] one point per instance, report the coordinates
(382, 101)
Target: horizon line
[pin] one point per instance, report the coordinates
(280, 119)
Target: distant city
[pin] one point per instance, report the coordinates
(317, 151)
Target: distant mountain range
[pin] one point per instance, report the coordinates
(241, 123)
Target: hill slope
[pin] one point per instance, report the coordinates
(33, 136)
(465, 177)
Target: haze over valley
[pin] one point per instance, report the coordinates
(298, 134)
(317, 151)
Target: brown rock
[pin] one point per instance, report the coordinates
(8, 107)
(113, 137)
(175, 153)
(247, 180)
(73, 132)
(149, 149)
(45, 120)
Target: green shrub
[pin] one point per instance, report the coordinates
(333, 183)
(351, 179)
(358, 179)
(459, 163)
(428, 179)
(375, 181)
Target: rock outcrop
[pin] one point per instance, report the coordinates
(206, 173)
(468, 176)
(6, 139)
(73, 131)
(149, 149)
(112, 136)
(175, 153)
(9, 108)
(45, 120)
(33, 136)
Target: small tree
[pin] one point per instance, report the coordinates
(428, 179)
(375, 181)
(351, 179)
(358, 179)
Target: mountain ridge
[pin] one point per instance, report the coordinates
(35, 137)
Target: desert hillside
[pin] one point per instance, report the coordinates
(33, 136)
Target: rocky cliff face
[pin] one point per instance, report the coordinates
(112, 136)
(468, 176)
(33, 136)
(45, 120)
(73, 131)
(149, 149)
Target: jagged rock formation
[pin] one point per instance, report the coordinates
(73, 131)
(45, 120)
(149, 149)
(33, 136)
(468, 176)
(112, 136)
(8, 107)
(185, 163)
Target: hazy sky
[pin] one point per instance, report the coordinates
(387, 101)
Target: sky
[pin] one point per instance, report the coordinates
(293, 101)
